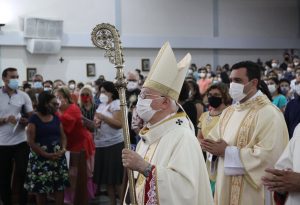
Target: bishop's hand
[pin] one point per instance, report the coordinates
(133, 161)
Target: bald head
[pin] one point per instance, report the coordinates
(133, 76)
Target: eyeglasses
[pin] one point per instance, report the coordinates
(144, 95)
(84, 94)
(14, 77)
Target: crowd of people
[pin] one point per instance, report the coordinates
(196, 133)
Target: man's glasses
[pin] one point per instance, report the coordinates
(144, 95)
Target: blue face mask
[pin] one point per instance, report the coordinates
(13, 84)
(37, 85)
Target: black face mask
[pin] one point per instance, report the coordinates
(214, 101)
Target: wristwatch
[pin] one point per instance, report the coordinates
(147, 171)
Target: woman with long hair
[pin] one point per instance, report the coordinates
(278, 98)
(47, 170)
(218, 99)
(79, 138)
(87, 107)
(109, 142)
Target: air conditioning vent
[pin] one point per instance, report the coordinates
(43, 46)
(42, 28)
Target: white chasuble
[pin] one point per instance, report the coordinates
(179, 175)
(258, 129)
(290, 160)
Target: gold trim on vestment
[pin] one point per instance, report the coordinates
(242, 140)
(141, 179)
(145, 129)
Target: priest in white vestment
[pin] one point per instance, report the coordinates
(250, 137)
(169, 164)
(285, 179)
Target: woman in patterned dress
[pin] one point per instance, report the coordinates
(47, 170)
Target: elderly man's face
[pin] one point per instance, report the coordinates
(157, 98)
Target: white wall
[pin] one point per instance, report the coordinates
(214, 31)
(75, 60)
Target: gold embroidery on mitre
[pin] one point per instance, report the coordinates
(164, 90)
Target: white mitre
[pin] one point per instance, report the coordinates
(166, 76)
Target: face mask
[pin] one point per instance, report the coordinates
(37, 85)
(72, 86)
(289, 69)
(13, 84)
(214, 101)
(236, 91)
(284, 90)
(132, 85)
(272, 88)
(103, 98)
(297, 89)
(202, 75)
(144, 109)
(47, 89)
(296, 63)
(85, 99)
(190, 72)
(274, 65)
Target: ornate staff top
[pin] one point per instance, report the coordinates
(107, 37)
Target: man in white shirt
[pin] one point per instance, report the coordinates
(14, 106)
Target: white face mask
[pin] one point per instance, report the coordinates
(103, 98)
(296, 63)
(297, 89)
(72, 86)
(236, 91)
(202, 75)
(132, 85)
(272, 88)
(38, 85)
(144, 109)
(274, 65)
(47, 89)
(289, 69)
